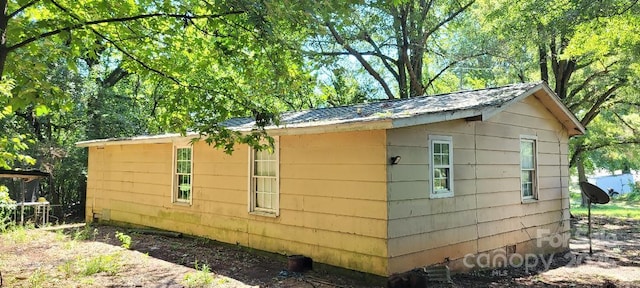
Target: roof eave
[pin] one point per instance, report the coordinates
(438, 117)
(154, 139)
(573, 125)
(376, 124)
(551, 101)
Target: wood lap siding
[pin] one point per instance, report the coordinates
(487, 187)
(418, 226)
(332, 196)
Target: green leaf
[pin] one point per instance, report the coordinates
(42, 110)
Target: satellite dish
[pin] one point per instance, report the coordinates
(594, 193)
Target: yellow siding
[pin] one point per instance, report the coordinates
(486, 212)
(333, 199)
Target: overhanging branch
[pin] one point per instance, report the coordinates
(360, 59)
(595, 109)
(453, 63)
(145, 65)
(449, 18)
(25, 6)
(118, 20)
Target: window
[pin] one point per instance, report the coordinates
(441, 168)
(263, 187)
(183, 177)
(528, 167)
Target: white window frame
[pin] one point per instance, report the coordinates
(253, 207)
(439, 139)
(534, 178)
(174, 175)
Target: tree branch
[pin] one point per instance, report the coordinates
(615, 143)
(595, 109)
(115, 45)
(626, 9)
(148, 67)
(382, 57)
(339, 53)
(627, 103)
(360, 59)
(113, 77)
(635, 132)
(452, 16)
(453, 63)
(584, 84)
(14, 13)
(404, 51)
(426, 7)
(119, 19)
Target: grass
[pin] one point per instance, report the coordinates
(623, 206)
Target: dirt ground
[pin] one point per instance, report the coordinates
(36, 258)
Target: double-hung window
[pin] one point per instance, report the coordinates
(528, 167)
(264, 182)
(182, 174)
(441, 166)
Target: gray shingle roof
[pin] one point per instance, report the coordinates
(394, 113)
(393, 109)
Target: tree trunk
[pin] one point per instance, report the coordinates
(542, 55)
(417, 88)
(582, 177)
(4, 21)
(402, 79)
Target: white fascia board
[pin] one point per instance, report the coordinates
(275, 131)
(152, 139)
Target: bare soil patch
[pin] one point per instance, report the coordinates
(37, 258)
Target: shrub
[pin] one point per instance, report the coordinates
(5, 210)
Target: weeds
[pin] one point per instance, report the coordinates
(37, 279)
(633, 197)
(86, 233)
(109, 264)
(67, 269)
(19, 234)
(125, 240)
(60, 236)
(201, 278)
